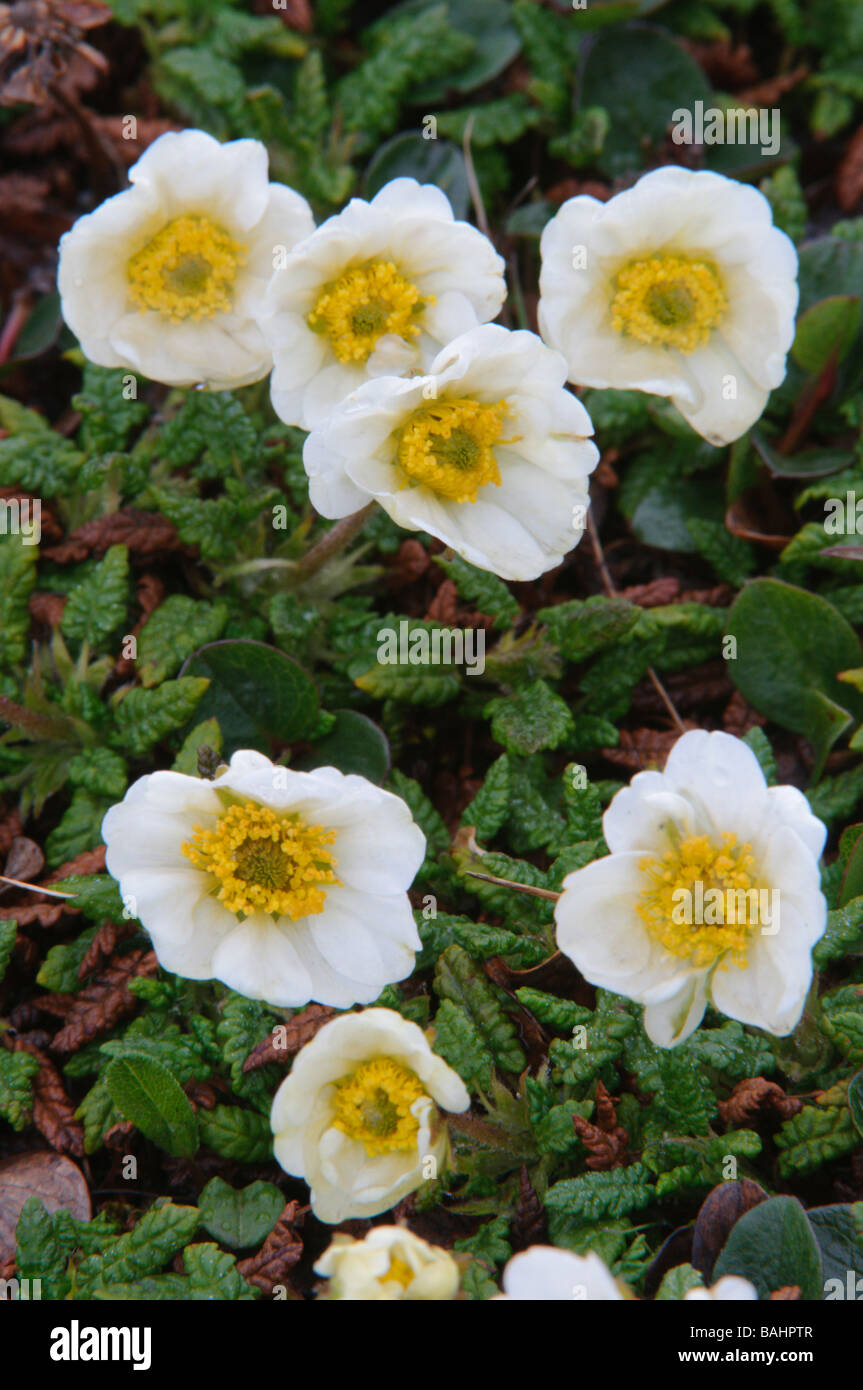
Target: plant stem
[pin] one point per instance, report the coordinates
(335, 540)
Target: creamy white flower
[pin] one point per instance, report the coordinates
(731, 1289)
(543, 1272)
(389, 1263)
(661, 920)
(168, 277)
(287, 886)
(487, 451)
(374, 291)
(680, 286)
(359, 1114)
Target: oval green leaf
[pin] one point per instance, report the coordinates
(256, 694)
(790, 646)
(146, 1094)
(774, 1247)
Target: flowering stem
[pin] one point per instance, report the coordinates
(608, 585)
(35, 888)
(335, 540)
(520, 887)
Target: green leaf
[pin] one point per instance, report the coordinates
(240, 1217)
(460, 1043)
(533, 718)
(8, 937)
(99, 771)
(144, 717)
(207, 734)
(354, 744)
(59, 969)
(176, 629)
(160, 1233)
(839, 1232)
(410, 155)
(17, 576)
(678, 1282)
(481, 587)
(147, 1095)
(109, 407)
(583, 627)
(851, 853)
(844, 930)
(598, 1196)
(489, 808)
(815, 1136)
(457, 979)
(791, 644)
(242, 1135)
(773, 1246)
(17, 1070)
(826, 332)
(641, 76)
(256, 693)
(213, 1273)
(96, 607)
(855, 1100)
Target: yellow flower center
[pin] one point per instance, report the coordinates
(265, 862)
(187, 271)
(399, 1272)
(668, 300)
(373, 1105)
(364, 304)
(447, 447)
(681, 908)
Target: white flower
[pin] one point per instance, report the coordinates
(710, 893)
(168, 277)
(288, 886)
(358, 1116)
(731, 1289)
(542, 1272)
(389, 1263)
(680, 286)
(374, 291)
(488, 452)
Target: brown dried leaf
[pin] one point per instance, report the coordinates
(45, 914)
(101, 1004)
(25, 859)
(728, 65)
(410, 564)
(604, 1140)
(788, 1294)
(754, 1094)
(144, 533)
(719, 1212)
(53, 1112)
(55, 1180)
(739, 716)
(528, 1219)
(849, 175)
(767, 93)
(103, 945)
(655, 594)
(279, 1253)
(444, 606)
(644, 748)
(89, 861)
(280, 1045)
(47, 608)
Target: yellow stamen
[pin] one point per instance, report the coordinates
(373, 1105)
(447, 447)
(693, 860)
(399, 1273)
(188, 270)
(265, 862)
(668, 300)
(364, 304)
